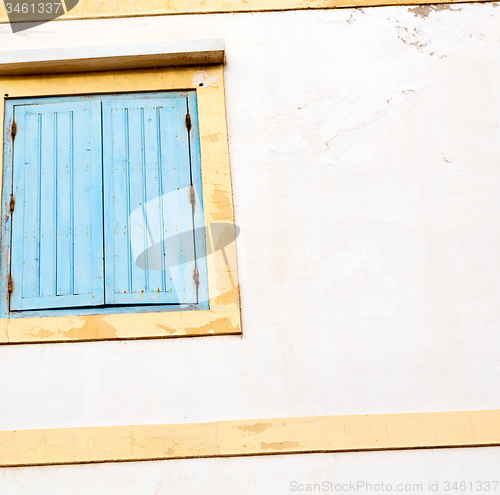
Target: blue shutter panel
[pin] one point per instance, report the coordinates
(148, 220)
(57, 236)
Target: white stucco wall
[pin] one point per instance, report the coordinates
(364, 148)
(271, 475)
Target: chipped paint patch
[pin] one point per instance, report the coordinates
(44, 334)
(256, 428)
(229, 298)
(425, 10)
(168, 330)
(223, 206)
(211, 137)
(205, 78)
(93, 328)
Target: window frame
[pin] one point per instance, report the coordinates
(130, 308)
(222, 315)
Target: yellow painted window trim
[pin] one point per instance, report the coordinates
(244, 438)
(224, 314)
(98, 9)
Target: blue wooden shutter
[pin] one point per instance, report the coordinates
(148, 216)
(57, 234)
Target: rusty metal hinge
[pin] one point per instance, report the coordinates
(13, 130)
(192, 196)
(12, 203)
(196, 277)
(11, 285)
(188, 122)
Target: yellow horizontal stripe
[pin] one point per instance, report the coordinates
(91, 9)
(241, 438)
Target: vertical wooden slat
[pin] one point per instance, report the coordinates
(18, 229)
(169, 162)
(30, 271)
(136, 179)
(64, 208)
(96, 202)
(177, 213)
(112, 168)
(154, 263)
(198, 216)
(82, 204)
(127, 200)
(117, 280)
(47, 206)
(160, 208)
(71, 206)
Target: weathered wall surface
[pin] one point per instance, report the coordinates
(364, 151)
(364, 148)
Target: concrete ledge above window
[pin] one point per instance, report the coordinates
(115, 57)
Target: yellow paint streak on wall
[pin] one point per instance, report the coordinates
(236, 438)
(91, 9)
